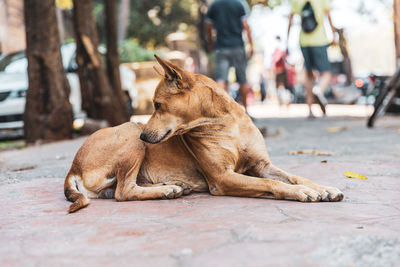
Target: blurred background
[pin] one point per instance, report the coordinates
(89, 64)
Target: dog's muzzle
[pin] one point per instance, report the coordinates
(143, 137)
(152, 139)
(149, 138)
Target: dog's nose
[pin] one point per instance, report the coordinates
(143, 137)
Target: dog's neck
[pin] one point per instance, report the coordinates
(216, 128)
(218, 114)
(217, 103)
(218, 111)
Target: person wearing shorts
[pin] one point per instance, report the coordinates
(229, 19)
(314, 47)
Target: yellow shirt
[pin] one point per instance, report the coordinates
(318, 36)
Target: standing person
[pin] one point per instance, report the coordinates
(314, 44)
(229, 18)
(278, 63)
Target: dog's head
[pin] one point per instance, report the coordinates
(175, 104)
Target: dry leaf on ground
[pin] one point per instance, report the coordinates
(277, 133)
(355, 175)
(336, 129)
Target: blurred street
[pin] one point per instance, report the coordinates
(319, 78)
(204, 230)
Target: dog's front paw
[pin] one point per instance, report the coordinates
(172, 191)
(186, 188)
(329, 193)
(306, 194)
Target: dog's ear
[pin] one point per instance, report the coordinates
(174, 73)
(158, 71)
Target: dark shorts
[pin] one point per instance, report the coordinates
(230, 57)
(280, 79)
(316, 58)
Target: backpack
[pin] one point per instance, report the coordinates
(308, 20)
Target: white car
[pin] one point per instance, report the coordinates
(14, 83)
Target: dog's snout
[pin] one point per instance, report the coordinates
(143, 137)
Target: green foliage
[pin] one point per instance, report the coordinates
(151, 21)
(99, 17)
(9, 145)
(132, 51)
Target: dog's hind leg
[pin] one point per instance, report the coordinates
(97, 184)
(127, 189)
(136, 192)
(327, 193)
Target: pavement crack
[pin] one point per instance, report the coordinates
(288, 216)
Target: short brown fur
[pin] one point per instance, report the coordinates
(198, 139)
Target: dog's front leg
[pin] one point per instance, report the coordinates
(235, 184)
(327, 193)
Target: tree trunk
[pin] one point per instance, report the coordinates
(123, 16)
(396, 18)
(48, 113)
(112, 56)
(98, 100)
(201, 29)
(348, 70)
(60, 23)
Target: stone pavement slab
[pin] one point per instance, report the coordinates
(204, 230)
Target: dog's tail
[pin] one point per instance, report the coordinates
(72, 194)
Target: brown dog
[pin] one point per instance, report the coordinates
(198, 139)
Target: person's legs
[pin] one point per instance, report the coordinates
(221, 68)
(308, 86)
(280, 86)
(325, 79)
(239, 62)
(309, 79)
(280, 80)
(244, 91)
(321, 63)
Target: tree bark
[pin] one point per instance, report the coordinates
(48, 113)
(201, 30)
(112, 56)
(98, 100)
(60, 23)
(396, 18)
(348, 69)
(123, 18)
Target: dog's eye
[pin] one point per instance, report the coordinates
(157, 105)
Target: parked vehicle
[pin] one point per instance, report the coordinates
(14, 83)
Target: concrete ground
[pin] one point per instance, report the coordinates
(204, 230)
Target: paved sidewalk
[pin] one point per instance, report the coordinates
(203, 230)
